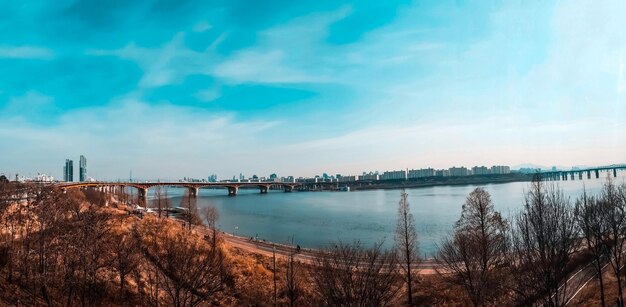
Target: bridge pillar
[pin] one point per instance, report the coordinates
(615, 172)
(194, 191)
(142, 196)
(232, 191)
(264, 189)
(572, 175)
(580, 175)
(288, 188)
(597, 174)
(588, 174)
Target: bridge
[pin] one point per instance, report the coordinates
(572, 174)
(193, 187)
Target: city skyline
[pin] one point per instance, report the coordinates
(301, 88)
(389, 174)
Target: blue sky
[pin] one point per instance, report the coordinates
(190, 88)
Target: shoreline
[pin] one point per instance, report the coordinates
(443, 181)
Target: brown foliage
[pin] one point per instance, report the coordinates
(351, 275)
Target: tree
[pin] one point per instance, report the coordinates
(593, 226)
(125, 257)
(190, 203)
(406, 243)
(475, 255)
(544, 238)
(158, 200)
(613, 204)
(189, 272)
(292, 284)
(350, 275)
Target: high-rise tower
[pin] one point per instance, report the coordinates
(82, 169)
(68, 171)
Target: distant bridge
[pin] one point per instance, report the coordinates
(194, 187)
(571, 174)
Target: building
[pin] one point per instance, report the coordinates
(481, 170)
(369, 177)
(288, 179)
(347, 178)
(68, 171)
(44, 178)
(420, 173)
(500, 169)
(442, 173)
(393, 175)
(458, 171)
(82, 169)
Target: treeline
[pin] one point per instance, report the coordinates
(63, 248)
(529, 257)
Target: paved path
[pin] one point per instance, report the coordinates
(305, 255)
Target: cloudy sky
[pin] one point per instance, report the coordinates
(185, 88)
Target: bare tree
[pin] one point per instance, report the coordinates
(158, 200)
(189, 202)
(292, 281)
(613, 206)
(125, 257)
(475, 255)
(350, 275)
(166, 202)
(189, 272)
(544, 238)
(406, 243)
(211, 216)
(593, 226)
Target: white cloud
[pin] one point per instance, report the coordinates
(32, 102)
(202, 26)
(252, 66)
(25, 52)
(208, 95)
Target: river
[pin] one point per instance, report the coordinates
(315, 219)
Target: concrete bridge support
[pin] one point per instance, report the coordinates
(264, 189)
(572, 175)
(288, 188)
(194, 192)
(580, 175)
(615, 172)
(232, 191)
(142, 196)
(597, 174)
(588, 174)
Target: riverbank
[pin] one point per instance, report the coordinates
(304, 255)
(441, 181)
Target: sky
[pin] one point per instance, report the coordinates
(184, 88)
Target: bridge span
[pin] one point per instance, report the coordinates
(572, 174)
(194, 187)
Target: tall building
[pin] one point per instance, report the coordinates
(393, 175)
(82, 169)
(458, 171)
(481, 170)
(68, 171)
